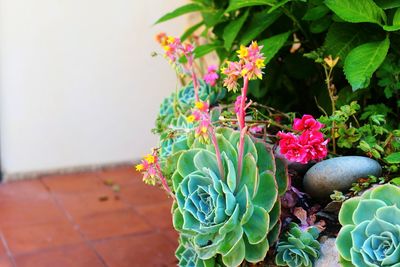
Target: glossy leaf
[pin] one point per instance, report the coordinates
(179, 12)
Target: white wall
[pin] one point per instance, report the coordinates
(78, 84)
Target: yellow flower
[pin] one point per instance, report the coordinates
(190, 118)
(170, 39)
(243, 51)
(254, 45)
(244, 72)
(139, 167)
(331, 62)
(260, 63)
(149, 158)
(199, 105)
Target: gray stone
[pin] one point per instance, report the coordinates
(329, 254)
(338, 174)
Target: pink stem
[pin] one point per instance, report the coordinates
(164, 182)
(195, 81)
(242, 125)
(217, 153)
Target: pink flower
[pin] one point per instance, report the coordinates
(232, 72)
(310, 145)
(307, 123)
(211, 77)
(256, 129)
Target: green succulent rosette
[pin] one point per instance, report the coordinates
(224, 217)
(370, 235)
(298, 248)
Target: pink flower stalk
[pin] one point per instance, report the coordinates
(211, 76)
(238, 104)
(307, 123)
(309, 145)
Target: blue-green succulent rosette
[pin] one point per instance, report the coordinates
(370, 236)
(188, 257)
(223, 217)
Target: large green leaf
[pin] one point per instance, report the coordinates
(316, 13)
(393, 158)
(205, 49)
(363, 61)
(258, 23)
(191, 30)
(236, 4)
(180, 11)
(273, 44)
(387, 4)
(232, 29)
(396, 22)
(342, 38)
(357, 10)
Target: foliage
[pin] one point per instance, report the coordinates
(369, 236)
(220, 214)
(298, 247)
(362, 33)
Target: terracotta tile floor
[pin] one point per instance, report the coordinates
(104, 218)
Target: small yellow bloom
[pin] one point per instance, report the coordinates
(139, 167)
(244, 72)
(260, 63)
(204, 129)
(190, 118)
(331, 62)
(149, 158)
(166, 47)
(243, 51)
(171, 39)
(199, 105)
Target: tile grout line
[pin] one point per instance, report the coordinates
(74, 224)
(8, 251)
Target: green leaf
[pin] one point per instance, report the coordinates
(256, 253)
(393, 158)
(205, 49)
(282, 176)
(363, 61)
(344, 241)
(180, 11)
(357, 10)
(347, 210)
(257, 227)
(232, 30)
(236, 255)
(212, 17)
(185, 162)
(395, 24)
(191, 30)
(236, 4)
(266, 198)
(395, 181)
(273, 44)
(387, 4)
(316, 13)
(258, 23)
(320, 25)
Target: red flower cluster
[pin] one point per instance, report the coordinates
(308, 145)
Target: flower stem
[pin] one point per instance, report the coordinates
(195, 81)
(217, 153)
(243, 128)
(164, 182)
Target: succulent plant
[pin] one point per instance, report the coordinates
(298, 248)
(187, 256)
(221, 215)
(370, 235)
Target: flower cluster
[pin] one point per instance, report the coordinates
(148, 166)
(249, 66)
(174, 49)
(211, 76)
(201, 115)
(308, 145)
